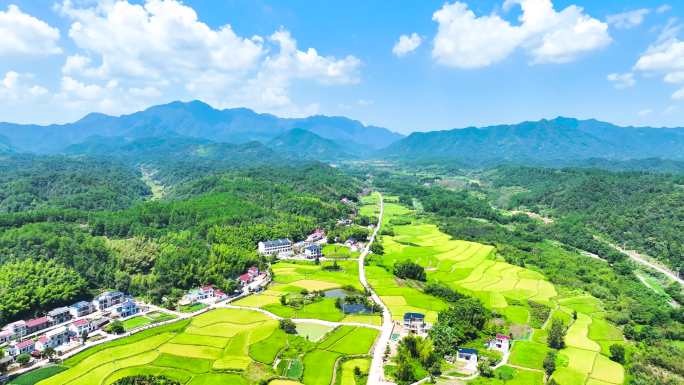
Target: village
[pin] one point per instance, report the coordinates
(66, 330)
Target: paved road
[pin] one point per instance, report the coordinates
(301, 320)
(642, 259)
(376, 373)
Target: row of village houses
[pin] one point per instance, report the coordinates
(311, 248)
(110, 304)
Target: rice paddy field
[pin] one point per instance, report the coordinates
(222, 346)
(474, 269)
(290, 278)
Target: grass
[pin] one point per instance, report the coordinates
(346, 374)
(35, 376)
(339, 251)
(528, 354)
(312, 332)
(136, 322)
(319, 366)
(192, 308)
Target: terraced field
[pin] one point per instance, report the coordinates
(292, 278)
(218, 347)
(473, 268)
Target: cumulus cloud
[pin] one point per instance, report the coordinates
(23, 34)
(622, 81)
(629, 19)
(161, 49)
(16, 87)
(406, 44)
(465, 40)
(665, 57)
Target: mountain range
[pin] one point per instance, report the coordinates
(544, 141)
(195, 130)
(195, 120)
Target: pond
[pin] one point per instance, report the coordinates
(355, 308)
(337, 293)
(347, 308)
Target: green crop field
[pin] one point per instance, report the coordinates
(473, 269)
(35, 376)
(311, 331)
(216, 347)
(347, 373)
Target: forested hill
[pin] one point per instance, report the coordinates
(56, 246)
(307, 145)
(193, 119)
(640, 211)
(5, 145)
(560, 139)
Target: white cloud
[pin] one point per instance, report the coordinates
(16, 87)
(665, 57)
(622, 81)
(645, 112)
(664, 8)
(365, 102)
(160, 50)
(406, 44)
(23, 34)
(465, 40)
(629, 19)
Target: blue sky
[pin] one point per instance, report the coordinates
(471, 62)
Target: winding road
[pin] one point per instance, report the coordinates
(376, 373)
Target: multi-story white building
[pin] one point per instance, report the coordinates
(313, 251)
(125, 309)
(501, 343)
(17, 329)
(59, 315)
(108, 299)
(80, 309)
(276, 247)
(23, 347)
(53, 339)
(415, 322)
(79, 326)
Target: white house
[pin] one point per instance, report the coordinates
(469, 358)
(276, 247)
(501, 343)
(80, 309)
(108, 299)
(5, 336)
(313, 251)
(79, 326)
(22, 347)
(59, 315)
(53, 339)
(125, 309)
(316, 236)
(415, 322)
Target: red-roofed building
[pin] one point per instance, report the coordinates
(219, 294)
(36, 324)
(245, 279)
(79, 326)
(501, 343)
(26, 346)
(253, 271)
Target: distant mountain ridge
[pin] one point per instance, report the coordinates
(541, 141)
(192, 119)
(307, 145)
